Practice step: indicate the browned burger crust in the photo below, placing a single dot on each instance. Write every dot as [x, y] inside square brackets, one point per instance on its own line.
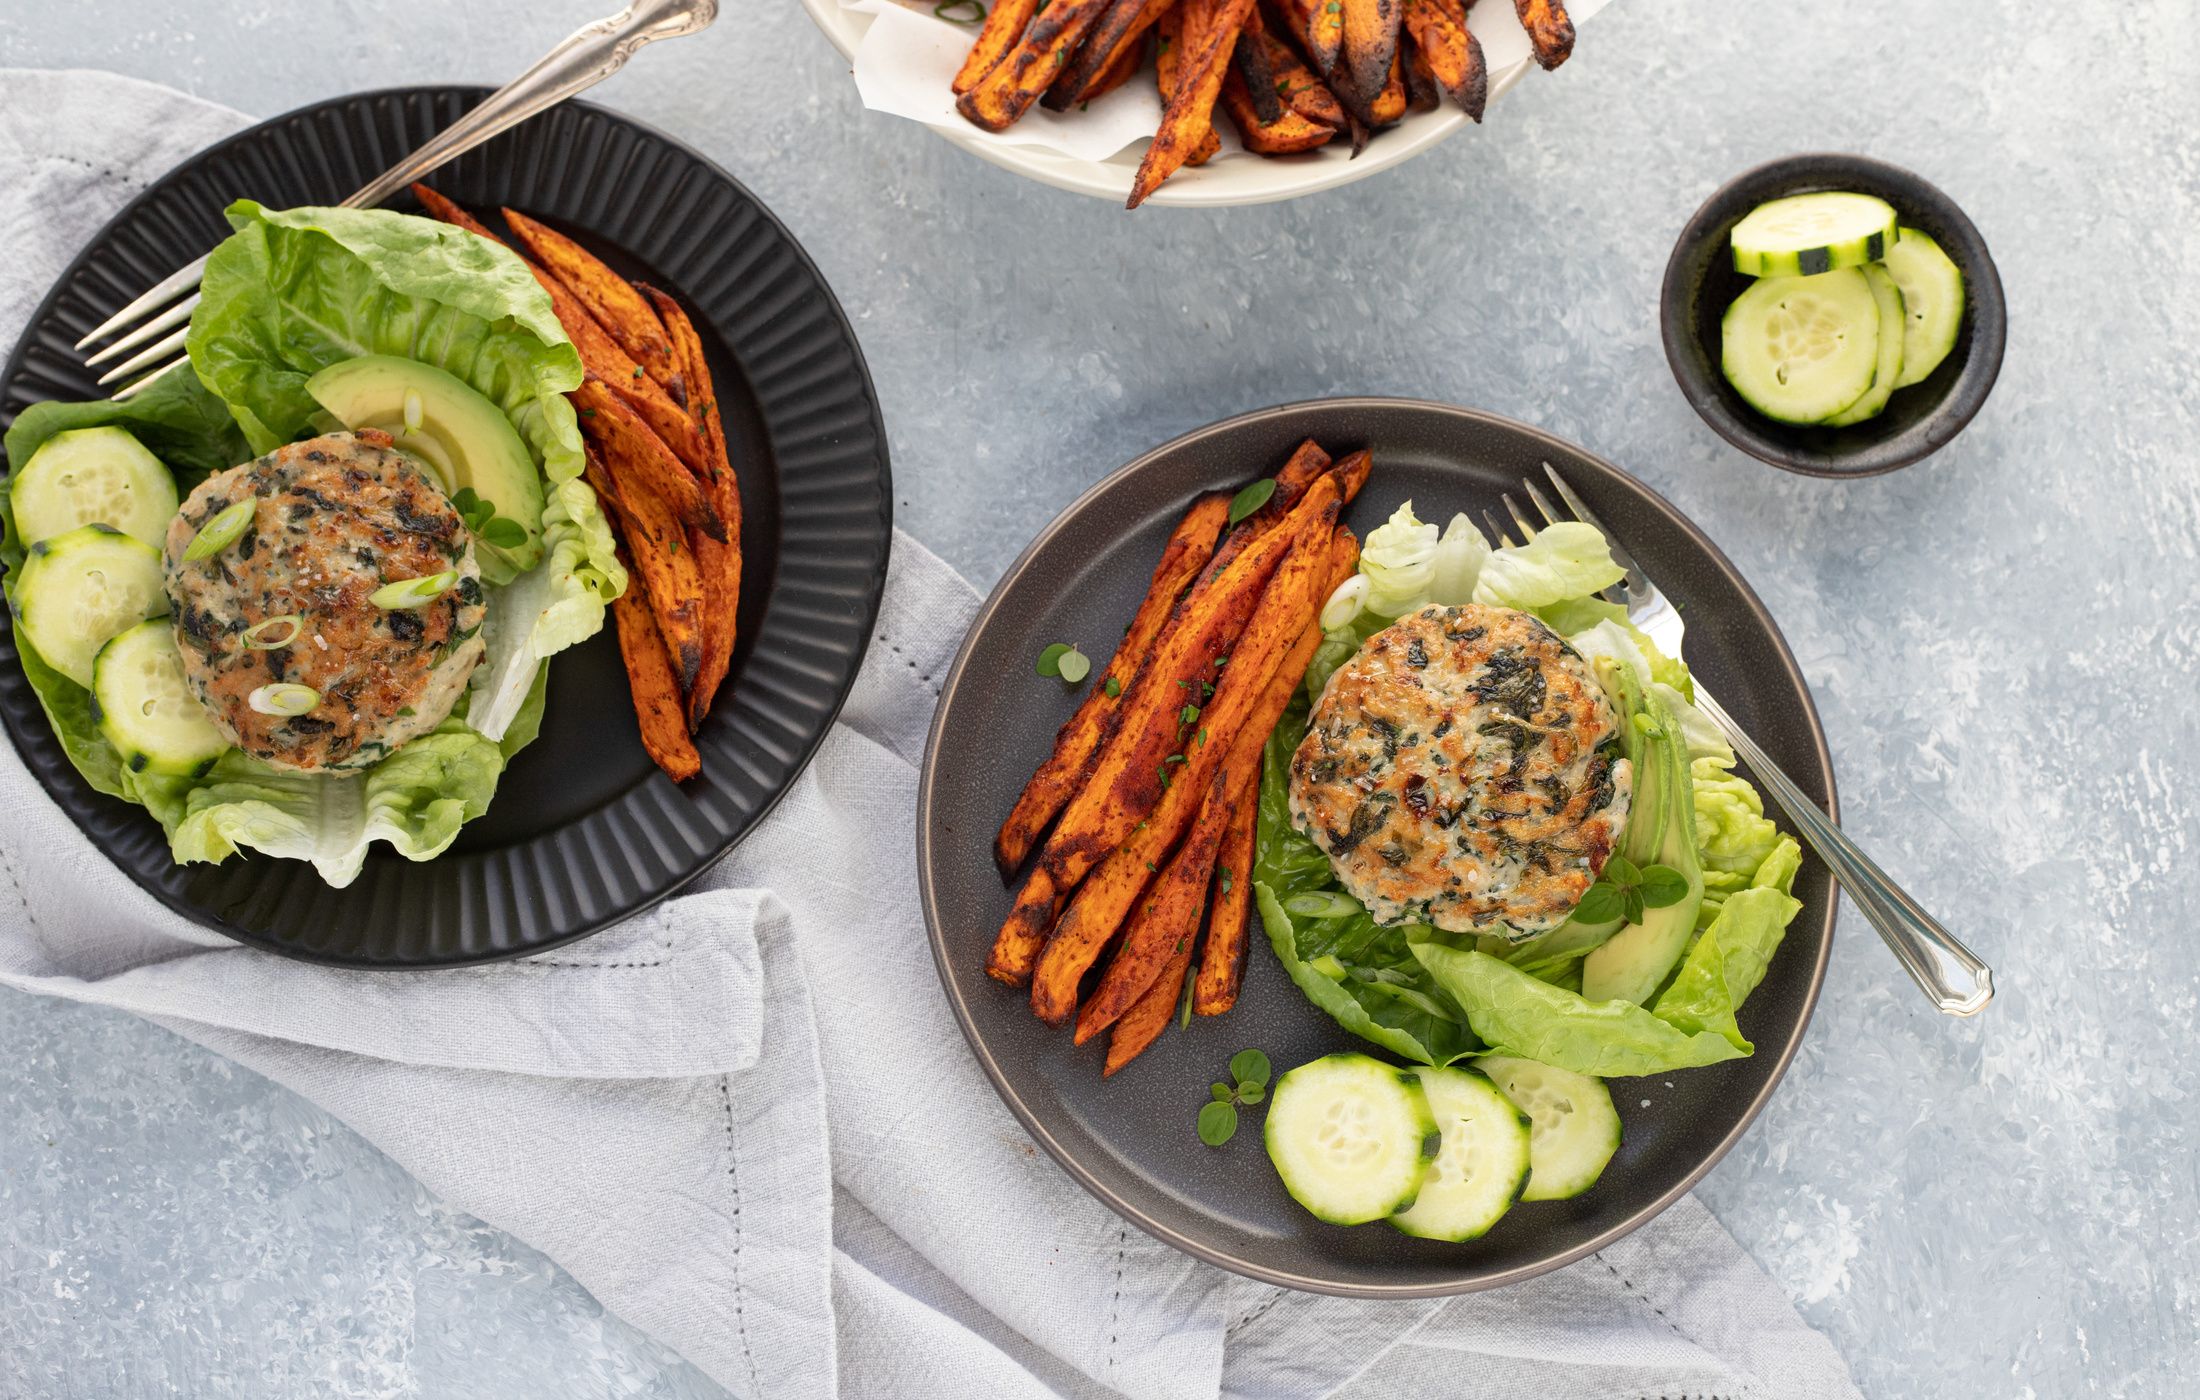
[1462, 770]
[335, 518]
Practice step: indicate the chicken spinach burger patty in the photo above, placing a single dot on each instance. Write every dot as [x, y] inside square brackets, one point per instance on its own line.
[1463, 770]
[282, 633]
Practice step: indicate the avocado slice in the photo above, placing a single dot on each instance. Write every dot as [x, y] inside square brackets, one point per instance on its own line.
[1661, 830]
[454, 432]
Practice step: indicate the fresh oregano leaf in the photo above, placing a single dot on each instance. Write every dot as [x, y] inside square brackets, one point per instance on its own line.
[1662, 885]
[1252, 498]
[1217, 1123]
[1050, 660]
[1250, 1068]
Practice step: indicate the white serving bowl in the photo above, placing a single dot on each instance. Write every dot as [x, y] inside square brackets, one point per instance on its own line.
[1219, 183]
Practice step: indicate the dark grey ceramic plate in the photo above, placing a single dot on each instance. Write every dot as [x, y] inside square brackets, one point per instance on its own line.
[1130, 1139]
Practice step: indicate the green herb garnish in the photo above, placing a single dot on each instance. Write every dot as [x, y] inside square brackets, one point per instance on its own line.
[1252, 498]
[1065, 662]
[1627, 892]
[1218, 1118]
[1114, 687]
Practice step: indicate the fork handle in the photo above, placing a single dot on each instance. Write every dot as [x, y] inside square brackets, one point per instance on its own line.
[1956, 979]
[584, 58]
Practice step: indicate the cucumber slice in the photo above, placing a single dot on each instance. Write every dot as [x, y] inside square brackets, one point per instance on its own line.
[1932, 298]
[82, 587]
[1801, 349]
[1482, 1164]
[147, 710]
[1887, 371]
[93, 475]
[1806, 234]
[1350, 1137]
[1576, 1129]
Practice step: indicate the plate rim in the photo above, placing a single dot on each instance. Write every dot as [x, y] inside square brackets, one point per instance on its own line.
[874, 586]
[1090, 1180]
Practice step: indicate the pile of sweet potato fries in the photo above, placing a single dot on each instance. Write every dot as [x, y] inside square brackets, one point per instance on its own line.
[1153, 783]
[1291, 74]
[657, 459]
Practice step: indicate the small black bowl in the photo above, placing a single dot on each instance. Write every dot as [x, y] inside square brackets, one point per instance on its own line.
[1700, 283]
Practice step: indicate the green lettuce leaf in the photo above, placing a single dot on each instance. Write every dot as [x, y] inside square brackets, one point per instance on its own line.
[1566, 560]
[1732, 832]
[1728, 959]
[1399, 560]
[1519, 1015]
[294, 291]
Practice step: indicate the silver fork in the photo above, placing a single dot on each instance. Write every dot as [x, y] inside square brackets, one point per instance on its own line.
[584, 58]
[1954, 977]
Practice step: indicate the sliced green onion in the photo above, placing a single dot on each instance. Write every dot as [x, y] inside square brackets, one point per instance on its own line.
[1346, 603]
[257, 638]
[959, 11]
[1322, 904]
[222, 531]
[412, 410]
[413, 592]
[284, 698]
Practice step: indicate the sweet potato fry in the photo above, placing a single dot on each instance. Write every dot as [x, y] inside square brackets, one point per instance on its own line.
[1307, 461]
[621, 310]
[1319, 27]
[1167, 921]
[666, 569]
[1452, 53]
[719, 560]
[1178, 29]
[997, 100]
[1078, 741]
[656, 691]
[1287, 134]
[639, 460]
[1255, 71]
[1550, 29]
[1229, 905]
[1112, 37]
[1370, 49]
[1190, 112]
[1142, 1025]
[600, 354]
[1217, 728]
[1222, 956]
[1129, 776]
[1004, 25]
[1421, 91]
[1130, 52]
[1389, 106]
[1301, 88]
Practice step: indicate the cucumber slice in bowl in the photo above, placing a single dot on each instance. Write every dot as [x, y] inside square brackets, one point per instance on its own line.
[80, 588]
[147, 709]
[93, 476]
[1893, 333]
[1801, 349]
[1575, 1128]
[1806, 234]
[1350, 1137]
[1481, 1165]
[1932, 298]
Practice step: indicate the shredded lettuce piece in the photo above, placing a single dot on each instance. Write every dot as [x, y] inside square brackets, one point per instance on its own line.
[1399, 560]
[1566, 560]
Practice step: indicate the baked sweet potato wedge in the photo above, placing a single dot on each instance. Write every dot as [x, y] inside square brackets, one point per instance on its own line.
[1077, 743]
[1550, 30]
[655, 689]
[1130, 774]
[1301, 88]
[1166, 923]
[638, 458]
[1288, 134]
[600, 354]
[1389, 106]
[1449, 49]
[1172, 31]
[1138, 1028]
[1421, 91]
[718, 560]
[662, 564]
[1111, 41]
[611, 299]
[1189, 116]
[1210, 731]
[1369, 51]
[997, 100]
[1004, 25]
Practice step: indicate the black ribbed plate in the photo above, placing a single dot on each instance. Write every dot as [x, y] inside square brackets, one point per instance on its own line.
[1130, 1138]
[584, 830]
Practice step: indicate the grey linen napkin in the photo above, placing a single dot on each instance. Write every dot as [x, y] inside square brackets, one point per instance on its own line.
[742, 1120]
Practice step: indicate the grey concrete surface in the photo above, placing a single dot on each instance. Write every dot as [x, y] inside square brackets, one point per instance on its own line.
[2003, 641]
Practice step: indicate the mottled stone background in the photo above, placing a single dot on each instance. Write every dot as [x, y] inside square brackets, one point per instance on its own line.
[2003, 642]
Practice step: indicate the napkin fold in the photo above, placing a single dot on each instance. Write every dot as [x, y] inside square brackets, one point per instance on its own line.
[742, 1120]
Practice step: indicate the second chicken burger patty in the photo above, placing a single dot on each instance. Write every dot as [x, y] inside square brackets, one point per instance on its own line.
[290, 602]
[1462, 770]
